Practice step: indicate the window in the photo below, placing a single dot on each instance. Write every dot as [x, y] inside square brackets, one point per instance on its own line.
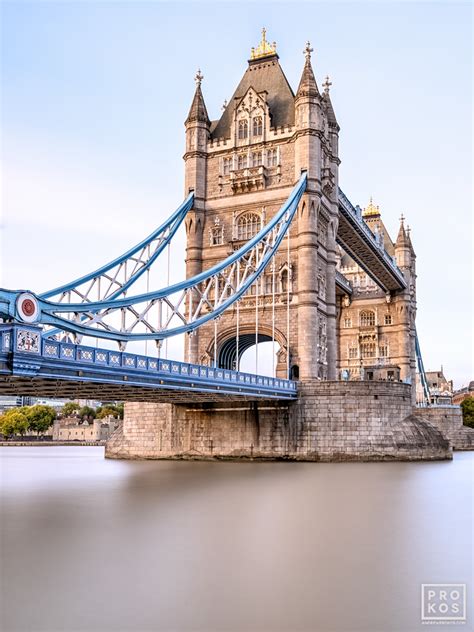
[388, 319]
[352, 353]
[226, 166]
[347, 323]
[216, 236]
[248, 225]
[269, 284]
[367, 350]
[257, 126]
[284, 281]
[367, 319]
[242, 161]
[243, 129]
[256, 159]
[383, 351]
[272, 157]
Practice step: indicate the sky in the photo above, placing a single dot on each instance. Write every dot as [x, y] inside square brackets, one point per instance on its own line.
[93, 101]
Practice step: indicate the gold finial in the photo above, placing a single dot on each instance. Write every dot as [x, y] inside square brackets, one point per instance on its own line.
[264, 49]
[199, 77]
[326, 85]
[307, 51]
[371, 210]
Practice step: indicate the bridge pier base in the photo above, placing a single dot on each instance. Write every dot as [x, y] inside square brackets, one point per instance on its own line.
[330, 421]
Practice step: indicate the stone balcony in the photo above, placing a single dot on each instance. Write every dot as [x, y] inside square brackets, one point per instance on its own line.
[248, 179]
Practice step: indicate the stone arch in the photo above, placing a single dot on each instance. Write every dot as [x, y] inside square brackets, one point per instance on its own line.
[227, 343]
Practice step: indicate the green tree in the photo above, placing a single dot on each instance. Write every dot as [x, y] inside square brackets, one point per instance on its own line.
[69, 409]
[112, 410]
[40, 417]
[467, 407]
[13, 422]
[86, 413]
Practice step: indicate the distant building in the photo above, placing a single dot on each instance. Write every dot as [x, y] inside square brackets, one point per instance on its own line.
[463, 393]
[441, 389]
[14, 401]
[73, 429]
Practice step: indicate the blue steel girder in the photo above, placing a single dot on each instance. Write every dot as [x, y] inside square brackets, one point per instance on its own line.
[174, 310]
[37, 366]
[360, 243]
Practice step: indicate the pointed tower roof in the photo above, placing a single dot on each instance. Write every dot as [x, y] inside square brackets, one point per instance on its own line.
[327, 101]
[308, 86]
[198, 111]
[264, 74]
[408, 234]
[402, 239]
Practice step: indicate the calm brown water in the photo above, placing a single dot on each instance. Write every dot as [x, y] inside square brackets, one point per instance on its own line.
[97, 545]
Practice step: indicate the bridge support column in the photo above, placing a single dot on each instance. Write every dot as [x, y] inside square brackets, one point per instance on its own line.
[330, 421]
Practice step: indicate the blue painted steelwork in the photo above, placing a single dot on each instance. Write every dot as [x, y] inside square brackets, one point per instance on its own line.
[354, 216]
[25, 354]
[421, 369]
[170, 226]
[254, 256]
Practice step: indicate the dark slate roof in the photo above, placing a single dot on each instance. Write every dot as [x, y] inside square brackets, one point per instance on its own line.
[262, 75]
[198, 111]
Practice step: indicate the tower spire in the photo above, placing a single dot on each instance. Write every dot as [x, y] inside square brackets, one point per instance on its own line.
[198, 111]
[264, 49]
[308, 86]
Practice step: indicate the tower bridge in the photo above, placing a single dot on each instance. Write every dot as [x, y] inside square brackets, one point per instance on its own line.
[275, 253]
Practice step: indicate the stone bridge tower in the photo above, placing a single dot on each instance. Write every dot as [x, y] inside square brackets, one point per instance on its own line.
[242, 168]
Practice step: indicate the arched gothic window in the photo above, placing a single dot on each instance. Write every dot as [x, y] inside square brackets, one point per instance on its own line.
[248, 226]
[367, 319]
[257, 126]
[243, 129]
[242, 161]
[272, 157]
[256, 159]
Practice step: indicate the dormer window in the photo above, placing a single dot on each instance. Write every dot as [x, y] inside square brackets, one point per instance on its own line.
[257, 126]
[243, 129]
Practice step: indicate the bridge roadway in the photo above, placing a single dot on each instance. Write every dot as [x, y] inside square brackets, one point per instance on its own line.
[38, 367]
[360, 243]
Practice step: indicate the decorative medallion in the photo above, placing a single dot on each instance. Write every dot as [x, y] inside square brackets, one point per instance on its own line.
[27, 307]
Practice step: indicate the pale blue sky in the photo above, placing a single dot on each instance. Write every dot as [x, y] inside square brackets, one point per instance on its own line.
[94, 96]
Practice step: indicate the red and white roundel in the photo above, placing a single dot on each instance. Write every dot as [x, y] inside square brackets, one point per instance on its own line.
[27, 307]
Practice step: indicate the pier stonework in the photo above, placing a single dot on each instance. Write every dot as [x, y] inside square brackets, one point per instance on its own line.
[331, 421]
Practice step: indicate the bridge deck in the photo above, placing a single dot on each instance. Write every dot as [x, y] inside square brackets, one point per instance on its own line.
[31, 365]
[359, 242]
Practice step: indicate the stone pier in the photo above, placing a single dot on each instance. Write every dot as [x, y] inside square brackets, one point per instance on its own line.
[330, 421]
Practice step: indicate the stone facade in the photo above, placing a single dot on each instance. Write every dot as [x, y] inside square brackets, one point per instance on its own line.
[331, 421]
[72, 429]
[242, 168]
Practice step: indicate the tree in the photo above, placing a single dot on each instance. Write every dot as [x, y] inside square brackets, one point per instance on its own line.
[13, 422]
[112, 410]
[40, 417]
[69, 409]
[467, 407]
[86, 413]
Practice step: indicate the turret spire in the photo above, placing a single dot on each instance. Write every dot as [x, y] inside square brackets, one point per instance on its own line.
[198, 111]
[308, 86]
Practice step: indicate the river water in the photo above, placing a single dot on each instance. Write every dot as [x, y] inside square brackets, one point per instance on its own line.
[95, 545]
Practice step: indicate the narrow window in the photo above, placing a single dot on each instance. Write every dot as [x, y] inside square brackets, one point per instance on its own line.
[388, 319]
[272, 157]
[243, 129]
[257, 126]
[242, 161]
[226, 166]
[256, 159]
[347, 323]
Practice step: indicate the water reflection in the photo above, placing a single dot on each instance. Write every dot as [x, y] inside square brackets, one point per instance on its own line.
[92, 544]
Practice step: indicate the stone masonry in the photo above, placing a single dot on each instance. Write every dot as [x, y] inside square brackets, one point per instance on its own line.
[331, 421]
